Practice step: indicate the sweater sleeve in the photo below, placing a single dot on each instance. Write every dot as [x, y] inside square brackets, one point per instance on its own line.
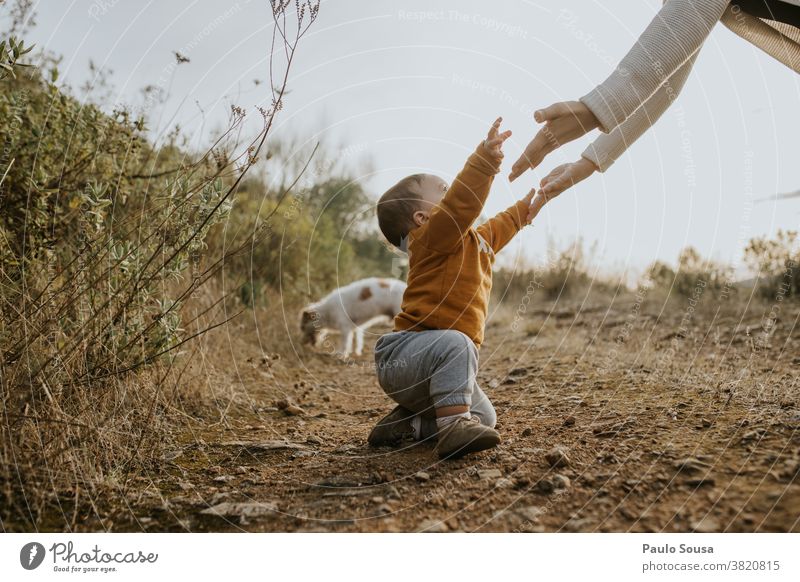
[768, 38]
[501, 228]
[673, 36]
[608, 147]
[462, 203]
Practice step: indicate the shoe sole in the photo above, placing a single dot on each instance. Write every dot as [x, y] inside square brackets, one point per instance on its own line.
[478, 444]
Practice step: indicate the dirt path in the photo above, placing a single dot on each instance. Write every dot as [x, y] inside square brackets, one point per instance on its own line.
[660, 431]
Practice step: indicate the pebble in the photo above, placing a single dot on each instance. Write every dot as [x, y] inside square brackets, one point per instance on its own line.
[244, 511]
[289, 407]
[392, 492]
[531, 513]
[706, 525]
[489, 474]
[569, 421]
[557, 457]
[561, 482]
[691, 465]
[422, 476]
[503, 483]
[527, 432]
[432, 526]
[545, 486]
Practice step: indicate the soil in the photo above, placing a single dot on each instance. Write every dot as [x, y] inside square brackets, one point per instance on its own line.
[612, 419]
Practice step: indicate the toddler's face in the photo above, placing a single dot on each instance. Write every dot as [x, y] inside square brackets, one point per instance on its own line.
[431, 190]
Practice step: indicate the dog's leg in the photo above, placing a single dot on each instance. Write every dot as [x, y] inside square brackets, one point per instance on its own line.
[359, 341]
[347, 342]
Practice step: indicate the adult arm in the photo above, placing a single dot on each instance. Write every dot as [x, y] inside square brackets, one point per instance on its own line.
[607, 148]
[673, 36]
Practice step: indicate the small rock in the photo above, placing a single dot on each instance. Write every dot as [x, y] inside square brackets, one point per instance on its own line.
[378, 499]
[527, 432]
[545, 486]
[608, 459]
[521, 482]
[557, 457]
[432, 526]
[691, 465]
[530, 513]
[218, 498]
[384, 508]
[314, 440]
[701, 482]
[392, 492]
[289, 407]
[265, 445]
[422, 476]
[578, 525]
[489, 474]
[561, 482]
[503, 483]
[244, 511]
[519, 372]
[569, 421]
[293, 410]
[706, 525]
[705, 423]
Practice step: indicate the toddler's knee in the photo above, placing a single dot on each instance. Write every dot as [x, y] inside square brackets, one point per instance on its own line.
[456, 344]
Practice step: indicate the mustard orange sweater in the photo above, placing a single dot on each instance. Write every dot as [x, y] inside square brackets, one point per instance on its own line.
[450, 262]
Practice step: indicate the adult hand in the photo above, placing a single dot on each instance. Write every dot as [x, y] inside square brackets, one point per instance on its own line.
[565, 176]
[535, 205]
[563, 122]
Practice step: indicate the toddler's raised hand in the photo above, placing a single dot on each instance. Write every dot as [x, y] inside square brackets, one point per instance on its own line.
[494, 141]
[535, 202]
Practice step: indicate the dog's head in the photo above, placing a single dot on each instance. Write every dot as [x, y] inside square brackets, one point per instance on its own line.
[309, 325]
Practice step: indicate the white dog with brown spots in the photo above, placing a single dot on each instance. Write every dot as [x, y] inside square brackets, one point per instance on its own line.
[350, 310]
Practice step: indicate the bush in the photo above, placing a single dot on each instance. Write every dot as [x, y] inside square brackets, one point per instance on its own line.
[776, 263]
[105, 238]
[693, 273]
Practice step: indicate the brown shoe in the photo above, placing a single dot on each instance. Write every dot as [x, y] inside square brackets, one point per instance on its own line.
[393, 428]
[465, 435]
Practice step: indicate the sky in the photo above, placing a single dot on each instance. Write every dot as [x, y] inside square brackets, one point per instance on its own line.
[412, 86]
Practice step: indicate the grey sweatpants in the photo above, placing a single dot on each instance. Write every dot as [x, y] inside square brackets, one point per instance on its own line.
[425, 370]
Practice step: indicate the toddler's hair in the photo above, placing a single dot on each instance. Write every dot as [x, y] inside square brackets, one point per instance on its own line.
[396, 209]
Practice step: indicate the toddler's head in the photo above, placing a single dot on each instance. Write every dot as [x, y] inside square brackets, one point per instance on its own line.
[408, 204]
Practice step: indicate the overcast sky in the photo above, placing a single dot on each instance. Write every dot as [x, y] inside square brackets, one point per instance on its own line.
[413, 85]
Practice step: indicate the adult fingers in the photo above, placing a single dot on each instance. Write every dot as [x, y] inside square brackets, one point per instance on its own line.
[552, 112]
[557, 186]
[537, 149]
[554, 173]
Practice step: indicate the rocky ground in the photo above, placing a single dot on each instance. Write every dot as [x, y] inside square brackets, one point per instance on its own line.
[613, 418]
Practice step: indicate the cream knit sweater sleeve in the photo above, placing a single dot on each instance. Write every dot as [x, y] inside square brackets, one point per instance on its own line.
[673, 36]
[605, 150]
